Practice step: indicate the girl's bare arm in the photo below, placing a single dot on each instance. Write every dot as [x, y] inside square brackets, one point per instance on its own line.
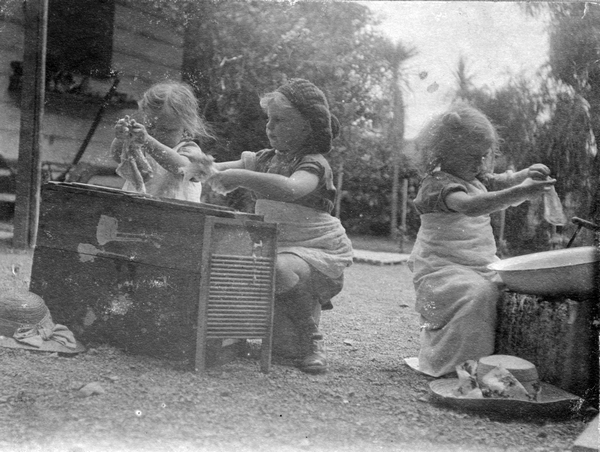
[536, 171]
[233, 164]
[165, 156]
[272, 186]
[486, 203]
[116, 149]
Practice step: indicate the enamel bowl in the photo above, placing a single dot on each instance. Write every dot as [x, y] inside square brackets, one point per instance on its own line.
[570, 271]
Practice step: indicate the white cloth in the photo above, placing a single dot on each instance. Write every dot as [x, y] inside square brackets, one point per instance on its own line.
[456, 292]
[315, 236]
[165, 184]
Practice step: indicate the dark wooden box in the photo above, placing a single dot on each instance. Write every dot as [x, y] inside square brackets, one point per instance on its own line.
[557, 334]
[153, 276]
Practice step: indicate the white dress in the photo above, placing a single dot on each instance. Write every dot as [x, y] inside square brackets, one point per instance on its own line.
[456, 292]
[165, 184]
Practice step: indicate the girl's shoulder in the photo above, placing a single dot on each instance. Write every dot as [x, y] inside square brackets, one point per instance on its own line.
[315, 158]
[440, 180]
[263, 156]
[266, 152]
[185, 144]
[294, 160]
[433, 190]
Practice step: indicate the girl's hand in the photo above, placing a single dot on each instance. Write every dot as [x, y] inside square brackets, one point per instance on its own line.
[138, 133]
[535, 187]
[195, 155]
[223, 182]
[201, 166]
[122, 128]
[538, 171]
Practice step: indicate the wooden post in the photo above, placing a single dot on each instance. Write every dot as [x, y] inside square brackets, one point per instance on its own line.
[32, 110]
[340, 182]
[403, 213]
[394, 201]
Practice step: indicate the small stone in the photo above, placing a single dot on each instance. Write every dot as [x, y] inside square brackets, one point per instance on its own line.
[91, 389]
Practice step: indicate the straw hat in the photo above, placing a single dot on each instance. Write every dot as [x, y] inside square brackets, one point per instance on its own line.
[550, 400]
[25, 322]
[524, 371]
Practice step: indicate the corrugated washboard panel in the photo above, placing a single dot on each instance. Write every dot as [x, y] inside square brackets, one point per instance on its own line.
[240, 296]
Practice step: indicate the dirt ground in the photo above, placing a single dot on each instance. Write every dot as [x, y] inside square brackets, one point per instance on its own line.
[368, 401]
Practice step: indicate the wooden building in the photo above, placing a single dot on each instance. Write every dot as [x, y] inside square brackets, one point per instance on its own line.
[90, 44]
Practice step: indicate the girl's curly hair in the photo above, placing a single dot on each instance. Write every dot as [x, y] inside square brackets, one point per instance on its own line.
[461, 128]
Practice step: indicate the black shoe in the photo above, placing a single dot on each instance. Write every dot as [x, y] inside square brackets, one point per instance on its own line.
[316, 361]
[328, 305]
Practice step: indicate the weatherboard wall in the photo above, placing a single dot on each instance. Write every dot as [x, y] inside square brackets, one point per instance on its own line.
[145, 50]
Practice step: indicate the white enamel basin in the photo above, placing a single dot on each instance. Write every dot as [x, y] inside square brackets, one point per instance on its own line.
[570, 271]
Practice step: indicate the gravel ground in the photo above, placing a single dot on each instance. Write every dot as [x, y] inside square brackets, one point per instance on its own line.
[369, 401]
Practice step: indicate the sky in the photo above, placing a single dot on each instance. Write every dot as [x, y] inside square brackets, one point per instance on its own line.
[496, 39]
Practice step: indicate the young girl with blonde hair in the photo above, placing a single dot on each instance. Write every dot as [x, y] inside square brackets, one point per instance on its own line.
[456, 294]
[151, 153]
[293, 183]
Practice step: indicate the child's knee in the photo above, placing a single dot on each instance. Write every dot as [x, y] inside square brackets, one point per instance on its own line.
[285, 281]
[290, 271]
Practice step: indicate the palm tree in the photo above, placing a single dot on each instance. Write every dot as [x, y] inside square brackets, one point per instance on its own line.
[464, 80]
[397, 54]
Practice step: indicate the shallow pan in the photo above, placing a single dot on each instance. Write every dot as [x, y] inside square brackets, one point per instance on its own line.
[571, 271]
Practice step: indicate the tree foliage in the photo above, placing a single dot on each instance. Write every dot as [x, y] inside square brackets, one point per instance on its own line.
[569, 138]
[550, 119]
[235, 51]
[256, 46]
[514, 109]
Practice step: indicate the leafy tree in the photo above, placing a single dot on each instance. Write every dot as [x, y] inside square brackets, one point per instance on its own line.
[237, 50]
[248, 48]
[365, 200]
[518, 110]
[515, 109]
[466, 89]
[574, 61]
[256, 46]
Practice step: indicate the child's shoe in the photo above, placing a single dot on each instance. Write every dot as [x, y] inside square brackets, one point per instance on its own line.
[316, 361]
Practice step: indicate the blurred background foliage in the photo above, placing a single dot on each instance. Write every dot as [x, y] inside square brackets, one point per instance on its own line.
[236, 51]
